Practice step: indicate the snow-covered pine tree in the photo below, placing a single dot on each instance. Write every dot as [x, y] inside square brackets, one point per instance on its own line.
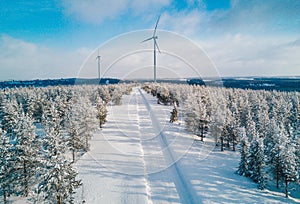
[101, 111]
[274, 146]
[252, 159]
[5, 166]
[74, 120]
[25, 153]
[196, 117]
[228, 131]
[190, 110]
[10, 111]
[251, 128]
[218, 115]
[89, 123]
[261, 167]
[256, 159]
[296, 141]
[116, 96]
[244, 151]
[174, 114]
[58, 181]
[288, 164]
[262, 118]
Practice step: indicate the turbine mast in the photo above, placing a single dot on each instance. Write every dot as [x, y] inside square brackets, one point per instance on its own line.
[155, 45]
[154, 75]
[98, 58]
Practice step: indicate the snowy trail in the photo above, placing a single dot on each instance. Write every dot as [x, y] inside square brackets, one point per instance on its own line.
[139, 157]
[184, 188]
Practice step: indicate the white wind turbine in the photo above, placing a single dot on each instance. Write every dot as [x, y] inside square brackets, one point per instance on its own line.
[154, 38]
[98, 58]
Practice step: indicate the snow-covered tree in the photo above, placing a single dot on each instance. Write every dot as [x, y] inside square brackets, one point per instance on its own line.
[104, 93]
[101, 111]
[288, 164]
[25, 153]
[260, 175]
[10, 111]
[116, 96]
[274, 149]
[258, 165]
[174, 114]
[244, 151]
[196, 117]
[90, 124]
[59, 183]
[59, 176]
[5, 166]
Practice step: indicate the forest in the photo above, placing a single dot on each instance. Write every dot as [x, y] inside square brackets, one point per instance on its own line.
[44, 130]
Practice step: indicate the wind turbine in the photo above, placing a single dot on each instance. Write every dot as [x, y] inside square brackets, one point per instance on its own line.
[98, 58]
[154, 38]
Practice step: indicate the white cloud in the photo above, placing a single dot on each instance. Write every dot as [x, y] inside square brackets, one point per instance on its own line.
[184, 22]
[96, 11]
[139, 7]
[24, 60]
[246, 55]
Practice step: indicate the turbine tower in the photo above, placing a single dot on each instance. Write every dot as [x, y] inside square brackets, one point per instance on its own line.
[98, 58]
[155, 45]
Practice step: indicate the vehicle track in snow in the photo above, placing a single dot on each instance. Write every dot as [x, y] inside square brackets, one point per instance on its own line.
[184, 188]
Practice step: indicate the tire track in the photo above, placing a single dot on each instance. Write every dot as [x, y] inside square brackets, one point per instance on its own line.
[184, 187]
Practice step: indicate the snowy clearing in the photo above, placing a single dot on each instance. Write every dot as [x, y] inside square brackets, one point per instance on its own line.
[139, 157]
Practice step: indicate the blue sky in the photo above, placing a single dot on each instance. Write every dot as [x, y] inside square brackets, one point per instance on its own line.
[52, 38]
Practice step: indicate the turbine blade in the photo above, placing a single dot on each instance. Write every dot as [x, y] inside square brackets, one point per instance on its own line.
[156, 26]
[147, 39]
[156, 44]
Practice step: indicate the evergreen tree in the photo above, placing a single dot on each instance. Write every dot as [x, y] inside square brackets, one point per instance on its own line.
[261, 174]
[256, 159]
[59, 177]
[75, 119]
[5, 166]
[26, 155]
[59, 183]
[104, 94]
[288, 165]
[89, 123]
[101, 111]
[116, 96]
[274, 152]
[174, 114]
[10, 111]
[244, 151]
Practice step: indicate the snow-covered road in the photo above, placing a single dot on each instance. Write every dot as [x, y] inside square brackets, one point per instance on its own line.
[139, 157]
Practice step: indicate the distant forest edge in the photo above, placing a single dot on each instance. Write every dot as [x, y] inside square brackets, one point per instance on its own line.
[255, 83]
[56, 82]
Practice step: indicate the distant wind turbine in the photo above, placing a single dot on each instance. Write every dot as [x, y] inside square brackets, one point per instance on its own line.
[154, 38]
[98, 58]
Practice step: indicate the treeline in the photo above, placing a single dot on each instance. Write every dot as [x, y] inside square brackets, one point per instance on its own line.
[264, 124]
[43, 131]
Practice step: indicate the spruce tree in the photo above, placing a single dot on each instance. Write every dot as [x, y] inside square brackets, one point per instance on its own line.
[244, 151]
[6, 166]
[288, 164]
[101, 111]
[26, 155]
[58, 181]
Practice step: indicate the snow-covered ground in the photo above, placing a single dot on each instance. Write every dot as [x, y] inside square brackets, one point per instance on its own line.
[139, 157]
